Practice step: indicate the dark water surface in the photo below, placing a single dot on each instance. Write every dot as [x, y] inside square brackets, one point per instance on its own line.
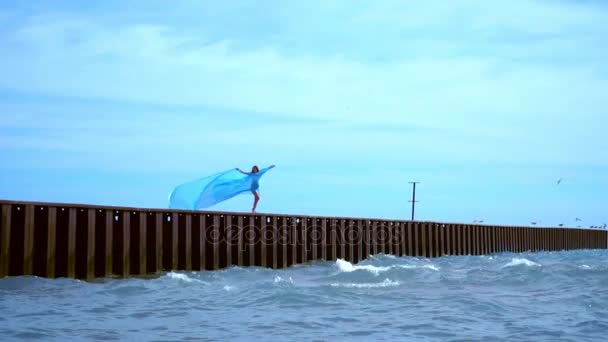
[552, 296]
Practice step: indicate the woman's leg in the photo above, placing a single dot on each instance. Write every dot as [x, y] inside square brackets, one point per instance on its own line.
[256, 198]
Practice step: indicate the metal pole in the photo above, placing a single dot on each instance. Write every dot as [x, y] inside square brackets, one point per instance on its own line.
[413, 198]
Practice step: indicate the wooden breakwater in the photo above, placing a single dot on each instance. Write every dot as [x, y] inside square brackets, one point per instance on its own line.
[85, 242]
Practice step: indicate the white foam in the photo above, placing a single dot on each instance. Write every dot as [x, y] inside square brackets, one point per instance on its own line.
[183, 277]
[278, 279]
[228, 288]
[430, 267]
[386, 283]
[584, 267]
[521, 261]
[346, 266]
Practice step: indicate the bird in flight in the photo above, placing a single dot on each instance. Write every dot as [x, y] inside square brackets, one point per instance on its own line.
[577, 219]
[558, 181]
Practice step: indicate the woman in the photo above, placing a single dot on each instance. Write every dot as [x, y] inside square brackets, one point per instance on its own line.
[255, 185]
[208, 191]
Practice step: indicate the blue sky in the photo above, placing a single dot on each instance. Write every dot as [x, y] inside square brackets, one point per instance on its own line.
[486, 103]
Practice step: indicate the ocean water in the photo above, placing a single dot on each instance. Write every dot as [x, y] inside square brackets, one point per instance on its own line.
[549, 296]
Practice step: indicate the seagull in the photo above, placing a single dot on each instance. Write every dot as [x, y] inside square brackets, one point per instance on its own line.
[561, 225]
[577, 219]
[604, 226]
[558, 181]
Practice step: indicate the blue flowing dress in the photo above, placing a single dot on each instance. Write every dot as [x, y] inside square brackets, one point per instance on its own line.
[206, 192]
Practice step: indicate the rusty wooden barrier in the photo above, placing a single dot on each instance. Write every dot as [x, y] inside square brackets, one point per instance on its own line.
[81, 241]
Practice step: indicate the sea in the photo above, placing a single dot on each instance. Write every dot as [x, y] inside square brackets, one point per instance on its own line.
[546, 296]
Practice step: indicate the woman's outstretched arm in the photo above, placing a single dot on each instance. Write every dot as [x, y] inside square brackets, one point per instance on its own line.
[243, 172]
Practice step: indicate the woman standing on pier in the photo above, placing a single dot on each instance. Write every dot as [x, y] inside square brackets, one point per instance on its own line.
[206, 192]
[255, 185]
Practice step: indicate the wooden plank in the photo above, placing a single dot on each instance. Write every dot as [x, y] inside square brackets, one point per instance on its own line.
[410, 239]
[436, 232]
[296, 243]
[91, 243]
[109, 243]
[388, 238]
[342, 235]
[324, 239]
[202, 236]
[126, 243]
[143, 243]
[188, 242]
[368, 238]
[229, 246]
[28, 241]
[216, 242]
[350, 236]
[416, 239]
[403, 240]
[445, 240]
[333, 236]
[51, 243]
[314, 238]
[252, 240]
[374, 237]
[174, 240]
[241, 246]
[158, 241]
[72, 243]
[6, 238]
[304, 240]
[423, 239]
[284, 240]
[274, 242]
[263, 242]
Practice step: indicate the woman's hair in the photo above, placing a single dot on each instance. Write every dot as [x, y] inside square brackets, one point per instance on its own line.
[255, 169]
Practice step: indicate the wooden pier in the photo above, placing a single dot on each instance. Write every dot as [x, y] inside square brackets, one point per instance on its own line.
[85, 242]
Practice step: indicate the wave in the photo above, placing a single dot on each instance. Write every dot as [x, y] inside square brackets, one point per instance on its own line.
[278, 280]
[183, 277]
[521, 261]
[386, 283]
[345, 266]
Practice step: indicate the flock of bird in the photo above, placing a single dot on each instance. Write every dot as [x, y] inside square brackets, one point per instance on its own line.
[576, 219]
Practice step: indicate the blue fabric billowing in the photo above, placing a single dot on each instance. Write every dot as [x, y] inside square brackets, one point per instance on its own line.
[205, 192]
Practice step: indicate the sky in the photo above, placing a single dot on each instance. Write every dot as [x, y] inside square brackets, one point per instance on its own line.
[486, 103]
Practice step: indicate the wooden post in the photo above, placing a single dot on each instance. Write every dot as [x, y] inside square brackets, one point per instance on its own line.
[410, 239]
[202, 240]
[109, 243]
[216, 242]
[126, 243]
[174, 240]
[263, 244]
[143, 242]
[6, 238]
[229, 232]
[72, 243]
[28, 240]
[51, 243]
[91, 244]
[333, 235]
[188, 242]
[158, 231]
[374, 237]
[304, 240]
[423, 234]
[274, 242]
[241, 246]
